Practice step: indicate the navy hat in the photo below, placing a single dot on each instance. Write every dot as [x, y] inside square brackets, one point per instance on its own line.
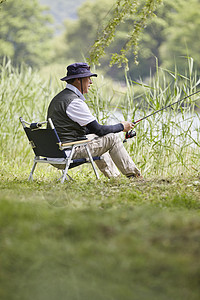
[78, 70]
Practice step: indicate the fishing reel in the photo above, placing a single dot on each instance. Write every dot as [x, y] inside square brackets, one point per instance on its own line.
[129, 134]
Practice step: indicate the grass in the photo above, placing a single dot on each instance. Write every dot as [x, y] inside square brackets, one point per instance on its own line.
[108, 239]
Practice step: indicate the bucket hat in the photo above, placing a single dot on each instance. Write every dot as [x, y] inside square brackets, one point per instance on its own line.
[78, 70]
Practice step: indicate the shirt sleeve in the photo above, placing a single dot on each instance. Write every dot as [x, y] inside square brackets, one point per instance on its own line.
[100, 130]
[79, 112]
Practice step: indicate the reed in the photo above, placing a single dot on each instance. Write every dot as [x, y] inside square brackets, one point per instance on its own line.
[23, 93]
[166, 143]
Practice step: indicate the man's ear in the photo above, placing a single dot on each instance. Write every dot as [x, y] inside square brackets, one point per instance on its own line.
[77, 82]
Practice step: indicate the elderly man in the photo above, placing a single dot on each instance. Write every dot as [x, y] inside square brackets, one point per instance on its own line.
[73, 121]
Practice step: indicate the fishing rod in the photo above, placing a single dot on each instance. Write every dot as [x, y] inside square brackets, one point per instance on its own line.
[132, 133]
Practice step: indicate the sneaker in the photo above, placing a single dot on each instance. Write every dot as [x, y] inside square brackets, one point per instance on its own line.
[135, 176]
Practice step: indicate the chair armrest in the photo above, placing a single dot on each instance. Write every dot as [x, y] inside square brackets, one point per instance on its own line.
[77, 143]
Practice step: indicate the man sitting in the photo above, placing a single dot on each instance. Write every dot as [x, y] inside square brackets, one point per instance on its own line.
[73, 121]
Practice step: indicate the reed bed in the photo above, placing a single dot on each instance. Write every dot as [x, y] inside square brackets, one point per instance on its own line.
[23, 94]
[166, 144]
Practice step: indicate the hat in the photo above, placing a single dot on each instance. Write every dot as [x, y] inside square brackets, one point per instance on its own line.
[78, 70]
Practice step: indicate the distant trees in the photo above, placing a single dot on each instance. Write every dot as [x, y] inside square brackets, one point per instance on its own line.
[102, 29]
[171, 36]
[80, 34]
[24, 33]
[102, 24]
[182, 35]
[139, 12]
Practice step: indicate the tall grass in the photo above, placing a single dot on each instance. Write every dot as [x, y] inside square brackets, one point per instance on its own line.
[23, 93]
[166, 143]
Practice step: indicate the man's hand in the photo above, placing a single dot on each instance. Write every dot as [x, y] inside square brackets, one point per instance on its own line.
[127, 125]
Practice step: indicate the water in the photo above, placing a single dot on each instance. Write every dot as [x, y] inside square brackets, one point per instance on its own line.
[185, 127]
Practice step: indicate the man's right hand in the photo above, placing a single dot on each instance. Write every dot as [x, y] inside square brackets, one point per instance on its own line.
[127, 125]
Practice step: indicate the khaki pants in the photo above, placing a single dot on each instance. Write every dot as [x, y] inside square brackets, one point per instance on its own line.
[115, 156]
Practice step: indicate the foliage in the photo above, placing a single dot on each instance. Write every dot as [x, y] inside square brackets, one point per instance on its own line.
[151, 42]
[123, 10]
[166, 36]
[25, 34]
[181, 38]
[174, 38]
[80, 34]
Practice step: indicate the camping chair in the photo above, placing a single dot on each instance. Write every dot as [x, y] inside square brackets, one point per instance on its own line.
[49, 149]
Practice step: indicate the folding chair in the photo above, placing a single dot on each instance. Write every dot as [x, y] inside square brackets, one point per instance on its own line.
[49, 149]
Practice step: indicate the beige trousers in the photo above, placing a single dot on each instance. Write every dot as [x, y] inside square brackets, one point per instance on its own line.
[115, 156]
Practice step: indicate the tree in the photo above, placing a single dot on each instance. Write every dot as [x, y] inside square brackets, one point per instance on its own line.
[151, 41]
[163, 38]
[123, 9]
[80, 35]
[25, 33]
[182, 37]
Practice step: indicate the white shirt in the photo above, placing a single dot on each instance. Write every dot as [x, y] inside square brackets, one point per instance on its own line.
[78, 110]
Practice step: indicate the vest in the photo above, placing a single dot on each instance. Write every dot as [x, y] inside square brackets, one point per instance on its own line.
[67, 129]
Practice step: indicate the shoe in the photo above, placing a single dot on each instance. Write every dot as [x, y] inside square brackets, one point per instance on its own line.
[135, 176]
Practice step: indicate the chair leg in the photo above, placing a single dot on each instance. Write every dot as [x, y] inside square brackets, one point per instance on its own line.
[70, 177]
[67, 166]
[66, 177]
[32, 171]
[92, 162]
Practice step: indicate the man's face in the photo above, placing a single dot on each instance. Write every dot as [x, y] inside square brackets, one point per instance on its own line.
[86, 82]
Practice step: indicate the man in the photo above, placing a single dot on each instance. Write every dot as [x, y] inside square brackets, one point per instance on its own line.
[73, 121]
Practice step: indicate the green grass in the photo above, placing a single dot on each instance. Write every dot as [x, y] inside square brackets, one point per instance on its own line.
[107, 239]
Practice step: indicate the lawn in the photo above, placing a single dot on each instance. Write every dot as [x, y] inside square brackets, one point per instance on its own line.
[109, 239]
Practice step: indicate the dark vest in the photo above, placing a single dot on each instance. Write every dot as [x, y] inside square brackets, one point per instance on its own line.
[68, 130]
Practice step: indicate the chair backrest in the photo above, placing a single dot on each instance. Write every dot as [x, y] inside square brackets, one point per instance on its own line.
[44, 141]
